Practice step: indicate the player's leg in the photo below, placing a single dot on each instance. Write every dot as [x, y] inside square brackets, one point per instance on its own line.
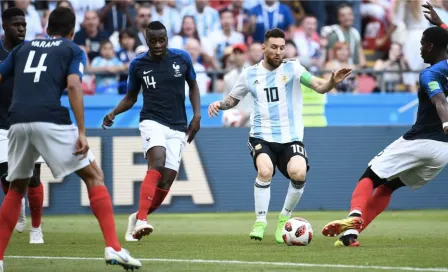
[264, 160]
[36, 200]
[294, 166]
[21, 158]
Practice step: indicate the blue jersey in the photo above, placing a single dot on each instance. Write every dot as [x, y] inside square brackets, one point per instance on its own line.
[5, 92]
[40, 69]
[433, 80]
[163, 86]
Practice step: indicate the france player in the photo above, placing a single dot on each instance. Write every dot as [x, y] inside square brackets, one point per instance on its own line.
[277, 128]
[161, 74]
[14, 25]
[42, 69]
[412, 160]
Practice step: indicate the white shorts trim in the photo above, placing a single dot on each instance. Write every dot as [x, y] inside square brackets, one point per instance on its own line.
[415, 162]
[4, 148]
[156, 134]
[56, 144]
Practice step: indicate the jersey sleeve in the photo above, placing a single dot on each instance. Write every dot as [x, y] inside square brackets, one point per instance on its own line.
[7, 66]
[191, 73]
[78, 63]
[302, 74]
[240, 90]
[134, 83]
[431, 83]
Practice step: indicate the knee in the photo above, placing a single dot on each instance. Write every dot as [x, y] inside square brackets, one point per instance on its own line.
[265, 172]
[297, 174]
[35, 179]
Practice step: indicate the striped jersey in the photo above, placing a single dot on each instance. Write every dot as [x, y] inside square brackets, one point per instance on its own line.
[278, 103]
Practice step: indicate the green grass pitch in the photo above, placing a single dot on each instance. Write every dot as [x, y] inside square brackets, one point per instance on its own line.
[396, 241]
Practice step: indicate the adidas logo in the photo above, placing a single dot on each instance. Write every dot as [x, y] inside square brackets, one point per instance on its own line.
[256, 82]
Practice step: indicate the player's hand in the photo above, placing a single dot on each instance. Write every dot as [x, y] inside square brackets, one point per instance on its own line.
[431, 15]
[340, 75]
[108, 120]
[193, 128]
[213, 109]
[82, 147]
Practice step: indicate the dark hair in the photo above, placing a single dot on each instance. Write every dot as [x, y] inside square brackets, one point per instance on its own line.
[343, 5]
[129, 32]
[61, 22]
[291, 42]
[437, 36]
[62, 2]
[274, 33]
[104, 42]
[224, 10]
[11, 12]
[156, 25]
[195, 33]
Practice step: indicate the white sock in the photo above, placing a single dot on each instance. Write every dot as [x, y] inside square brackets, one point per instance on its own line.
[350, 231]
[352, 213]
[292, 198]
[262, 195]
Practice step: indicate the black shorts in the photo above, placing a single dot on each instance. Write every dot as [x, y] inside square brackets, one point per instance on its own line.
[280, 154]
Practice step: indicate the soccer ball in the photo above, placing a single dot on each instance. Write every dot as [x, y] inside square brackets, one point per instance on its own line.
[297, 232]
[232, 118]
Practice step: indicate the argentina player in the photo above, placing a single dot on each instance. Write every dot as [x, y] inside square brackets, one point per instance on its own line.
[161, 74]
[42, 69]
[277, 128]
[415, 158]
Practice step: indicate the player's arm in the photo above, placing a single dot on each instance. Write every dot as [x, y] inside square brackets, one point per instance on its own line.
[128, 100]
[321, 85]
[432, 16]
[238, 93]
[75, 97]
[433, 87]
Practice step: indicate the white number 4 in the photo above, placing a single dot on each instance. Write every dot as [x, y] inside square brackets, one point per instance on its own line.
[38, 69]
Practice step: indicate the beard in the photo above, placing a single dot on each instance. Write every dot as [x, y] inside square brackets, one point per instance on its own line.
[273, 63]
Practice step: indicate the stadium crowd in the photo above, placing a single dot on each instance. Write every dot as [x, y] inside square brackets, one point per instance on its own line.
[377, 38]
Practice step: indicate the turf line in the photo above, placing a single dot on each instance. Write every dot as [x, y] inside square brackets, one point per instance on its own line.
[395, 268]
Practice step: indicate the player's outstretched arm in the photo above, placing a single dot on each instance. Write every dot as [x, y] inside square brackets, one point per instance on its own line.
[227, 103]
[125, 104]
[432, 16]
[195, 100]
[324, 86]
[439, 101]
[75, 96]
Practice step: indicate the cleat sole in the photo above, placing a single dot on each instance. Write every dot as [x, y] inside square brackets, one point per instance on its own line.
[141, 233]
[336, 228]
[125, 266]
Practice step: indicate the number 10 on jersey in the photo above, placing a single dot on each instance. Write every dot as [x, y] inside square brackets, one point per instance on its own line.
[271, 94]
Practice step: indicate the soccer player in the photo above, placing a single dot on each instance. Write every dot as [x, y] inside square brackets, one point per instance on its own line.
[412, 160]
[42, 69]
[277, 128]
[161, 73]
[14, 25]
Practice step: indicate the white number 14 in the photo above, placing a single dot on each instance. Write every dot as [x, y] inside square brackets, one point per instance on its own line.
[38, 69]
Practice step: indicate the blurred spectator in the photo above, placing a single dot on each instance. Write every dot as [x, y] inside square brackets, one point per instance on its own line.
[239, 116]
[167, 16]
[341, 52]
[90, 36]
[81, 7]
[206, 18]
[194, 48]
[126, 54]
[226, 37]
[409, 14]
[34, 23]
[376, 24]
[255, 54]
[250, 4]
[180, 4]
[241, 16]
[189, 30]
[143, 18]
[395, 61]
[106, 66]
[219, 4]
[441, 6]
[290, 50]
[308, 45]
[345, 32]
[115, 16]
[268, 15]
